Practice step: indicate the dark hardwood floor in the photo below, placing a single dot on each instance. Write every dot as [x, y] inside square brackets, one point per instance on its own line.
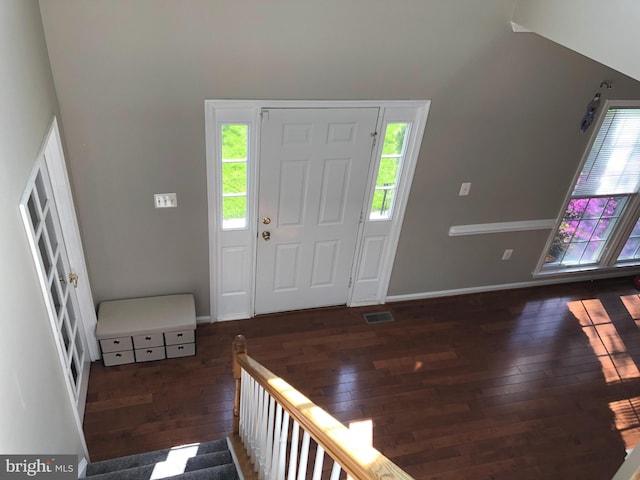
[537, 383]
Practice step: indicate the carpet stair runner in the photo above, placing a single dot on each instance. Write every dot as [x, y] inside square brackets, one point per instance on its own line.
[199, 461]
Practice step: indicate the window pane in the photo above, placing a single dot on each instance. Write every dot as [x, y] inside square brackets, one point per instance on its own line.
[235, 212]
[586, 226]
[234, 142]
[234, 175]
[394, 139]
[631, 249]
[613, 164]
[393, 150]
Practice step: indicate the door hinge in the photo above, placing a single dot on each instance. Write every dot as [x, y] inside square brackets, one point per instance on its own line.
[350, 281]
[264, 114]
[374, 135]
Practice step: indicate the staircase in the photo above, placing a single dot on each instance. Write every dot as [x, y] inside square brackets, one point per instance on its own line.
[198, 461]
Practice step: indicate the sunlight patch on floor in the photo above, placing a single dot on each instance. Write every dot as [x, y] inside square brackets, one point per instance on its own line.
[176, 461]
[627, 420]
[363, 430]
[606, 343]
[615, 361]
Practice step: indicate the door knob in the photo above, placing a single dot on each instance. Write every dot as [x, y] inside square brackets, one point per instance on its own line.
[73, 278]
[266, 235]
[266, 220]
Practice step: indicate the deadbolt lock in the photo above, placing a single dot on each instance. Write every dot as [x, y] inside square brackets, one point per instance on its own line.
[266, 220]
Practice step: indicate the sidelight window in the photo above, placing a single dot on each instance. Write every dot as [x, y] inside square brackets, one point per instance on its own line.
[389, 168]
[234, 146]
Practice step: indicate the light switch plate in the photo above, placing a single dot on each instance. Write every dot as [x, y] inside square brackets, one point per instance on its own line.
[507, 254]
[465, 188]
[165, 200]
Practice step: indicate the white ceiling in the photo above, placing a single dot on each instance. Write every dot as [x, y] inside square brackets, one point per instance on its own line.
[605, 31]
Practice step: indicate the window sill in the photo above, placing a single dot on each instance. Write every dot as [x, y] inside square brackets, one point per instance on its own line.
[614, 270]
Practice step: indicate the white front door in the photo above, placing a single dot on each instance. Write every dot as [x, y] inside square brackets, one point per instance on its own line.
[314, 165]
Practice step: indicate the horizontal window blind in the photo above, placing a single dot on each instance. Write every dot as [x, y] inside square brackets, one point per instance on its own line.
[613, 164]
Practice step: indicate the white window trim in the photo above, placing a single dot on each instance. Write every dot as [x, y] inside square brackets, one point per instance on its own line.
[615, 243]
[240, 304]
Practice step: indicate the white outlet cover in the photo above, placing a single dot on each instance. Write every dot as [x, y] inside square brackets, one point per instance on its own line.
[165, 200]
[465, 188]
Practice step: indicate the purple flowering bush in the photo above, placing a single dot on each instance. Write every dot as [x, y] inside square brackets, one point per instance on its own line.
[585, 227]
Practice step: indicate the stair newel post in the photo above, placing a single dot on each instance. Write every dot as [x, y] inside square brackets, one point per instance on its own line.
[239, 348]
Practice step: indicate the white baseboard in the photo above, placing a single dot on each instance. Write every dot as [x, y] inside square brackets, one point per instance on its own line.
[82, 468]
[364, 303]
[203, 319]
[235, 316]
[503, 286]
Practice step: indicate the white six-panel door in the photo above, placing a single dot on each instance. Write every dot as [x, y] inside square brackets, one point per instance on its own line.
[314, 165]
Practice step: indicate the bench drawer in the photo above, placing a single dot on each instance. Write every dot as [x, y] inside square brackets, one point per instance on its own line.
[115, 344]
[182, 350]
[117, 358]
[149, 354]
[148, 340]
[178, 338]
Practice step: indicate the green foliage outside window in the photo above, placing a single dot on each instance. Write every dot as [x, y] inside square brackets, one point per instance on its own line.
[392, 151]
[234, 171]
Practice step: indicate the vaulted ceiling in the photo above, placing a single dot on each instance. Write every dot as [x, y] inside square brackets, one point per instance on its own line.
[605, 31]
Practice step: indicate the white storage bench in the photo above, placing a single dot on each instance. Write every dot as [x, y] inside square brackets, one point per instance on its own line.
[145, 329]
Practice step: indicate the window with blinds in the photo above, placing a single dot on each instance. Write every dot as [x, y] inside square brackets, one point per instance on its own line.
[599, 225]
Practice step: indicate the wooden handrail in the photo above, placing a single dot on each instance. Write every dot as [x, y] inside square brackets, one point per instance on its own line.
[360, 461]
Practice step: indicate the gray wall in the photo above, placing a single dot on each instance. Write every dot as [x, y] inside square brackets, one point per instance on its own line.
[131, 77]
[36, 416]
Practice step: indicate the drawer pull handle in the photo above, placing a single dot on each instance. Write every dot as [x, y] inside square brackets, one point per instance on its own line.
[116, 342]
[118, 355]
[147, 338]
[149, 351]
[179, 335]
[180, 347]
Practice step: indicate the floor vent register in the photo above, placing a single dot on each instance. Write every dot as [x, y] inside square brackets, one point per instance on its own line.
[378, 317]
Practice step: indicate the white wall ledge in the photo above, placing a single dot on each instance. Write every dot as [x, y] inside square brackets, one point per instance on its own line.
[501, 227]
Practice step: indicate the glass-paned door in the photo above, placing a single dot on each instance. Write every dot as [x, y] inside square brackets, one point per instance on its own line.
[58, 282]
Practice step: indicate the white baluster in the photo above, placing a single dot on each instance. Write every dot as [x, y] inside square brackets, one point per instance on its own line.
[317, 468]
[304, 456]
[253, 420]
[282, 458]
[260, 434]
[268, 452]
[293, 451]
[255, 425]
[276, 443]
[335, 471]
[244, 387]
[255, 416]
[249, 416]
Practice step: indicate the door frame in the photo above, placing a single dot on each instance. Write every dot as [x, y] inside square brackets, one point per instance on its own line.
[232, 253]
[56, 163]
[51, 158]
